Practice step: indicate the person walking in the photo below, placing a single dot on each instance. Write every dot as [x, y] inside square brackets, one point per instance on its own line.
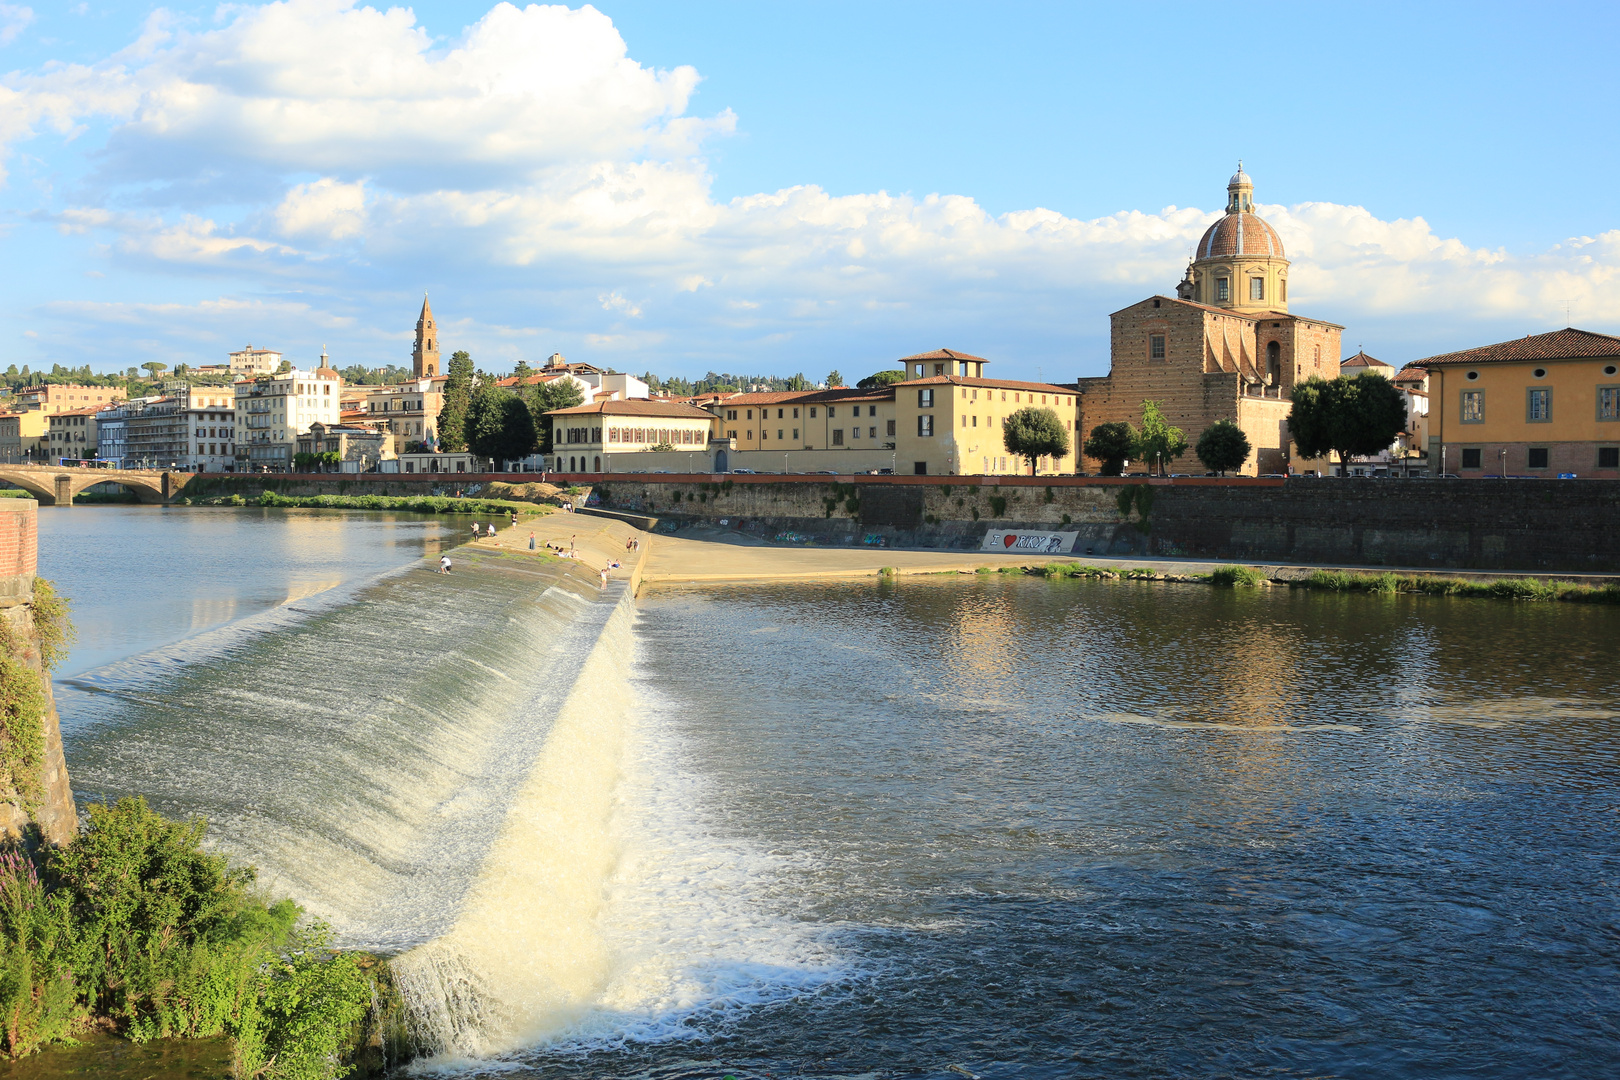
[571, 553]
[531, 541]
[514, 519]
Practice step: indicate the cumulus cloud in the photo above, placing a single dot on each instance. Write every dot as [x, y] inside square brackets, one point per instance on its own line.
[537, 165]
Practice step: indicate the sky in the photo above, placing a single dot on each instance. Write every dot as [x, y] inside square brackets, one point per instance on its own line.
[781, 188]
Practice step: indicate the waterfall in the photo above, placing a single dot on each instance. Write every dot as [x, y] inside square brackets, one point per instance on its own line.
[526, 956]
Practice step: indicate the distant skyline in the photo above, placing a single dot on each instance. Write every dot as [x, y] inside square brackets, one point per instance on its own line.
[775, 189]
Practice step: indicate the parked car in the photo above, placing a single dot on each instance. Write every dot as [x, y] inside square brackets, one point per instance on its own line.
[746, 472]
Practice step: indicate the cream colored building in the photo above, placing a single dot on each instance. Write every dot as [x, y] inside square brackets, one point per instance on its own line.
[251, 361]
[72, 434]
[271, 411]
[61, 397]
[409, 411]
[583, 434]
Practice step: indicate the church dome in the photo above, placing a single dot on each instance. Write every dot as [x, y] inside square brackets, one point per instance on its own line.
[1240, 178]
[1240, 234]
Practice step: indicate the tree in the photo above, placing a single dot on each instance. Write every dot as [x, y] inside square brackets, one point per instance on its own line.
[524, 371]
[286, 366]
[1159, 443]
[1032, 433]
[555, 394]
[880, 379]
[1223, 446]
[835, 379]
[1353, 416]
[1112, 444]
[499, 425]
[153, 367]
[452, 421]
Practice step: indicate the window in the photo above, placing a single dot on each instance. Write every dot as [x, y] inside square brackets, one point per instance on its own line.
[891, 429]
[1473, 408]
[1536, 457]
[1609, 457]
[871, 410]
[1257, 288]
[749, 434]
[855, 432]
[750, 414]
[838, 437]
[920, 468]
[1538, 405]
[832, 411]
[964, 421]
[1282, 290]
[925, 425]
[919, 371]
[1223, 289]
[1318, 357]
[778, 434]
[925, 399]
[795, 431]
[1608, 403]
[795, 416]
[871, 432]
[1155, 346]
[779, 414]
[1470, 457]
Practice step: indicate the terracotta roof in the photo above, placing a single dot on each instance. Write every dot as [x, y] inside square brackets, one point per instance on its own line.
[994, 384]
[1361, 359]
[1569, 344]
[1240, 234]
[945, 354]
[636, 407]
[1411, 373]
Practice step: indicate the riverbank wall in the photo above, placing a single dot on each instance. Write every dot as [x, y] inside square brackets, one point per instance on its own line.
[1526, 525]
[37, 767]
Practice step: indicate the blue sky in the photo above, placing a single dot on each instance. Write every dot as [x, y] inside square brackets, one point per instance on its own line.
[780, 188]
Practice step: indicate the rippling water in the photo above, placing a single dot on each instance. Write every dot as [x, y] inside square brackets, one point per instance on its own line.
[1016, 827]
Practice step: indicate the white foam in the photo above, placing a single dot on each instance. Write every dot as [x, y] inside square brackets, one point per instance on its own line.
[612, 908]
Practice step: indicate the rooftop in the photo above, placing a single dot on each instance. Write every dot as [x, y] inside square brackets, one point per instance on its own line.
[1567, 344]
[994, 384]
[637, 407]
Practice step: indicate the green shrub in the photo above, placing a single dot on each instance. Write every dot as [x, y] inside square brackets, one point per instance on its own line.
[133, 925]
[1237, 577]
[998, 505]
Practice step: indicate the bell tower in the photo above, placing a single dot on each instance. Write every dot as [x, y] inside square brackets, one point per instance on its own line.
[425, 356]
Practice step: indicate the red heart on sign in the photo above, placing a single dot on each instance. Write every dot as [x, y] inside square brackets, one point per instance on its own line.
[1009, 540]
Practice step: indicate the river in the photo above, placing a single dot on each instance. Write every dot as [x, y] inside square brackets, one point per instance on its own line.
[1002, 826]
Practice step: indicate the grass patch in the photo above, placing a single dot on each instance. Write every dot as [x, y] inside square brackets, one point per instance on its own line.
[1499, 589]
[1237, 577]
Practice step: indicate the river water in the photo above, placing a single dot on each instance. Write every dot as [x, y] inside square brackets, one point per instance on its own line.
[1005, 826]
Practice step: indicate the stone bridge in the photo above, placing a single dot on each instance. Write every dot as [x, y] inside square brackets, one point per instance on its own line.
[57, 486]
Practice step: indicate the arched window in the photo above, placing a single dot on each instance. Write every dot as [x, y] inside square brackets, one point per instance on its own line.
[1274, 361]
[596, 465]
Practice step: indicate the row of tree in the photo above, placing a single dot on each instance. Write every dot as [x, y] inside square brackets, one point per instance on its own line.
[1351, 416]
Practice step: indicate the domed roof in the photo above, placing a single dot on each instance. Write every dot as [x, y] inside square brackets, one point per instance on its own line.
[1240, 178]
[1240, 234]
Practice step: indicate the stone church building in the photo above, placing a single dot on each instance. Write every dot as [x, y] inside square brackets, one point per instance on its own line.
[1224, 347]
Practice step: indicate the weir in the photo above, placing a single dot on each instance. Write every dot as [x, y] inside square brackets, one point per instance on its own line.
[458, 773]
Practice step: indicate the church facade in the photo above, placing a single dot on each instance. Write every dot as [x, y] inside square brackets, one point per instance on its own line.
[1225, 347]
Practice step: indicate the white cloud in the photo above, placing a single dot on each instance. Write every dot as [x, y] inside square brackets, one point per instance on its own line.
[326, 208]
[14, 19]
[532, 161]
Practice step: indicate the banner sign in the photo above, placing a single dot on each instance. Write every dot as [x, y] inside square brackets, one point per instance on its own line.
[1030, 543]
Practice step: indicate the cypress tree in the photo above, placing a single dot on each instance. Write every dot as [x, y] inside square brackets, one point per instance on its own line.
[457, 402]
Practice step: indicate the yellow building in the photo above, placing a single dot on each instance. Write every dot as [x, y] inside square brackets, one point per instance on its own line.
[839, 419]
[22, 435]
[1534, 406]
[949, 422]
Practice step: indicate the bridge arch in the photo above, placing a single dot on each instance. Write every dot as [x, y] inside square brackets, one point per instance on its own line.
[56, 487]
